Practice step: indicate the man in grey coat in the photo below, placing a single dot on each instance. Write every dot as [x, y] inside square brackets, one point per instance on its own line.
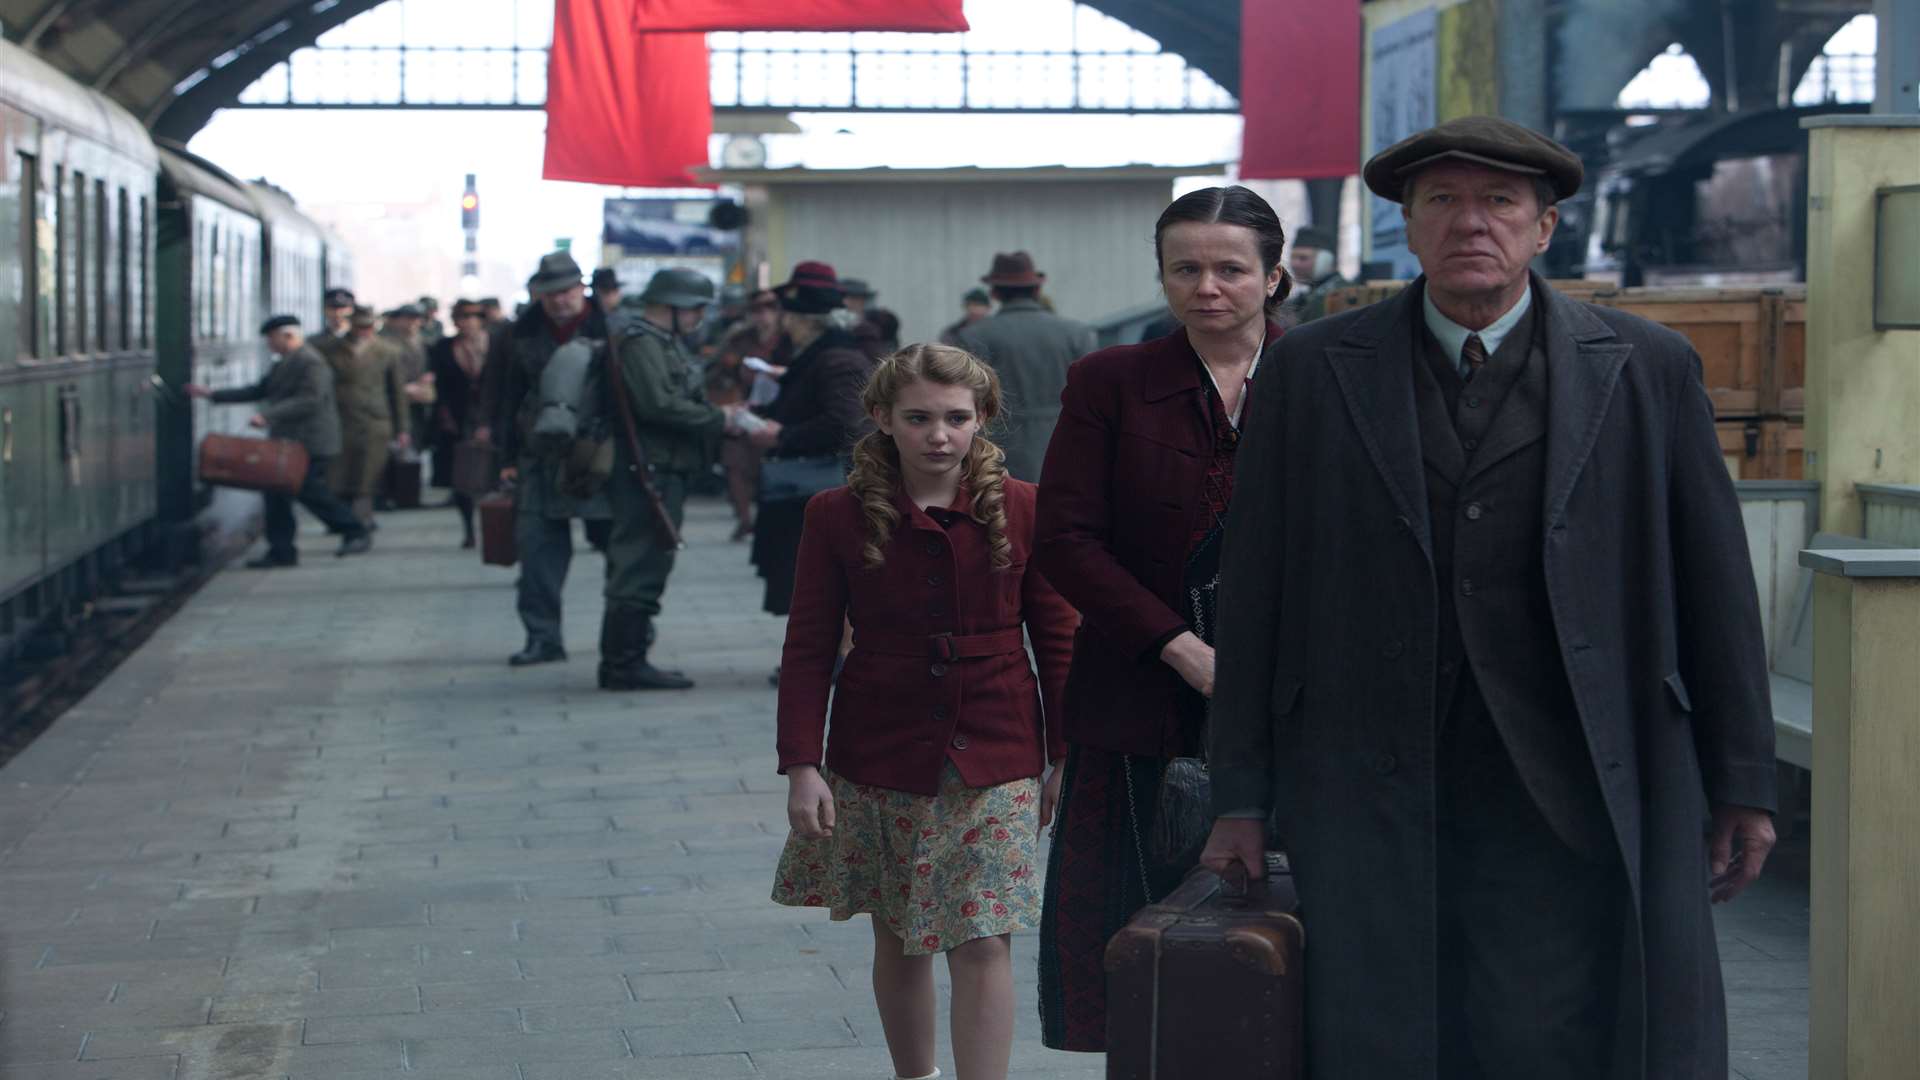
[1031, 348]
[1490, 652]
[296, 403]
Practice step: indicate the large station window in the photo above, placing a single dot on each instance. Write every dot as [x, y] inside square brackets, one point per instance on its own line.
[81, 309]
[32, 321]
[60, 338]
[142, 271]
[122, 237]
[101, 306]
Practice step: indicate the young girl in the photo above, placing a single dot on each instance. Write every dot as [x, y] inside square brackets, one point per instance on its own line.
[924, 809]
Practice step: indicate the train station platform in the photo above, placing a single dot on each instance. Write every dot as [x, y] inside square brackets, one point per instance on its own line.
[316, 829]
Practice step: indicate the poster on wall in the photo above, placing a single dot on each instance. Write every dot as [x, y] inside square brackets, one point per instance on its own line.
[1401, 69]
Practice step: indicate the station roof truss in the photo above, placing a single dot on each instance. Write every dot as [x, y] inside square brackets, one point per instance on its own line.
[174, 63]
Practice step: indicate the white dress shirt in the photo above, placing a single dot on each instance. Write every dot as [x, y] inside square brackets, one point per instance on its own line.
[1453, 337]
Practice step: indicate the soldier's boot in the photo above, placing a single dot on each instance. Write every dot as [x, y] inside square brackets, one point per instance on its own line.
[625, 667]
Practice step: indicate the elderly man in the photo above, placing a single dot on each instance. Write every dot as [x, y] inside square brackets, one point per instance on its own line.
[296, 403]
[1314, 264]
[1490, 652]
[1031, 348]
[544, 509]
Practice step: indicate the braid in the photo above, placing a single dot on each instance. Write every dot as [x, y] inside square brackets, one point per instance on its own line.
[876, 459]
[875, 473]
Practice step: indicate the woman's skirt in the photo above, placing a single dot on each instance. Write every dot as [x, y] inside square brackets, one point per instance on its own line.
[776, 550]
[937, 871]
[1098, 876]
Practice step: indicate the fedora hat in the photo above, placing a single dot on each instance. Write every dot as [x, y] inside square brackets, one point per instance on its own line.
[814, 289]
[1481, 140]
[1015, 270]
[557, 271]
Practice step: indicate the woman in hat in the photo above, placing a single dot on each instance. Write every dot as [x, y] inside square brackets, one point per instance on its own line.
[810, 427]
[1133, 510]
[458, 363]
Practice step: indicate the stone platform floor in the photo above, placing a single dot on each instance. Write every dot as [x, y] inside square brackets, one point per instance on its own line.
[316, 829]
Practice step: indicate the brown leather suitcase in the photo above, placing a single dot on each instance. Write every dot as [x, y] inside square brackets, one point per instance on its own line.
[473, 471]
[276, 465]
[403, 482]
[1207, 985]
[497, 545]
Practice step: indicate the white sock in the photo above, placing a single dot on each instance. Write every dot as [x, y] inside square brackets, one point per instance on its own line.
[934, 1075]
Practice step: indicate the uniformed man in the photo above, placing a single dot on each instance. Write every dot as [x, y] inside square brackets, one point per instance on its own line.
[431, 328]
[401, 327]
[337, 307]
[544, 511]
[296, 403]
[366, 380]
[1314, 264]
[675, 428]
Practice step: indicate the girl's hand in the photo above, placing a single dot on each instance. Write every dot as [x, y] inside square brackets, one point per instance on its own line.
[809, 803]
[1050, 792]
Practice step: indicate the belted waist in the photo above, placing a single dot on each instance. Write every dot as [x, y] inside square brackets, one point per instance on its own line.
[944, 647]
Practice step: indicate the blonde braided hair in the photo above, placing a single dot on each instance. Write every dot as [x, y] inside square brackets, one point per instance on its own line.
[876, 460]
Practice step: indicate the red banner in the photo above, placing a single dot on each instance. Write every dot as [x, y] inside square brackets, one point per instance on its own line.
[931, 16]
[1300, 89]
[624, 108]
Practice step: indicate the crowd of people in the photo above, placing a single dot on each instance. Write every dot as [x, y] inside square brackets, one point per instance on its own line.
[1447, 592]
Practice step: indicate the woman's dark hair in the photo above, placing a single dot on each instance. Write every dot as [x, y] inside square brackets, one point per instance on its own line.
[1234, 205]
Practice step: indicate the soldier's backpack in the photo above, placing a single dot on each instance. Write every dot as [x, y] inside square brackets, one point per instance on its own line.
[568, 428]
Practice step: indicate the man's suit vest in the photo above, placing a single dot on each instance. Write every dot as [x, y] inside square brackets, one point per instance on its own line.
[1501, 680]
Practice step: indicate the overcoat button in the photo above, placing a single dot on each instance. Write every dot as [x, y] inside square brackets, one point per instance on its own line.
[936, 611]
[938, 670]
[934, 579]
[1473, 403]
[1393, 650]
[1385, 764]
[1404, 523]
[1471, 445]
[1466, 587]
[939, 712]
[933, 548]
[960, 742]
[1475, 511]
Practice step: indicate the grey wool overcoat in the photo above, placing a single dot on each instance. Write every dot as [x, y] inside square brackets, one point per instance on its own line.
[1328, 628]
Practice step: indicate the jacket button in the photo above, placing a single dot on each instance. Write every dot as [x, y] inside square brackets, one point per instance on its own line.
[1466, 587]
[1393, 649]
[935, 579]
[1473, 402]
[938, 670]
[1471, 445]
[1385, 764]
[933, 548]
[936, 611]
[939, 712]
[960, 742]
[1475, 511]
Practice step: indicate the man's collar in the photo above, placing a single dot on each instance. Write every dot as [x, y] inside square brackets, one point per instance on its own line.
[1453, 337]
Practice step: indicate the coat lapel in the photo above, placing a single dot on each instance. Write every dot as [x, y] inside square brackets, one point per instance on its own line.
[1583, 367]
[1373, 365]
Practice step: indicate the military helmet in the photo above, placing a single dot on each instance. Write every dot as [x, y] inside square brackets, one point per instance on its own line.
[678, 287]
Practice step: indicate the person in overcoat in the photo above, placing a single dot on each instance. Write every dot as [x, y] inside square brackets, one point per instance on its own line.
[816, 417]
[458, 363]
[367, 384]
[1136, 496]
[1031, 348]
[1490, 649]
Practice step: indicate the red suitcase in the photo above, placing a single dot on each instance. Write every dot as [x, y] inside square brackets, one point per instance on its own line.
[1206, 985]
[277, 465]
[497, 545]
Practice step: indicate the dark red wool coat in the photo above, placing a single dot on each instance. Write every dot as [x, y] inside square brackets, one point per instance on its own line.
[1122, 493]
[907, 702]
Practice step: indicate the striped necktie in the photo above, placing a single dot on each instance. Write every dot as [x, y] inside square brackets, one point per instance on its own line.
[1474, 355]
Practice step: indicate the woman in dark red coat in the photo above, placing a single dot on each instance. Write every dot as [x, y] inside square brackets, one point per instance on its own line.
[1133, 505]
[924, 806]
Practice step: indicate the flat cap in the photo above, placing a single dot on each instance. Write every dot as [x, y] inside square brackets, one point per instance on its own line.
[276, 323]
[1482, 140]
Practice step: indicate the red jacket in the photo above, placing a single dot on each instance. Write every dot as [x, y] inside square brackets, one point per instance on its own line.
[1121, 496]
[938, 670]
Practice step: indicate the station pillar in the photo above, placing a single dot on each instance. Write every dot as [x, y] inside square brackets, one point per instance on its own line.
[1863, 391]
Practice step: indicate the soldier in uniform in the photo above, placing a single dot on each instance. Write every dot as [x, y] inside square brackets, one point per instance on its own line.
[1314, 263]
[337, 307]
[366, 380]
[544, 511]
[401, 326]
[431, 328]
[675, 427]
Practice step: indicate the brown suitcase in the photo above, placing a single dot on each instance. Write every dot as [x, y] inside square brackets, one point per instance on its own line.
[403, 482]
[1205, 984]
[473, 471]
[497, 545]
[276, 465]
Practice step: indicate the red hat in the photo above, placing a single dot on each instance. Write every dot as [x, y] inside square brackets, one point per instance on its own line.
[1015, 270]
[817, 275]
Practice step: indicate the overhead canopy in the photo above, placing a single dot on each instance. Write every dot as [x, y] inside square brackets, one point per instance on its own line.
[173, 63]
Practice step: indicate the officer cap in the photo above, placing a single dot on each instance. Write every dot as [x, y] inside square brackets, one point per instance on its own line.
[362, 315]
[557, 271]
[405, 311]
[339, 298]
[1482, 140]
[276, 323]
[1308, 236]
[976, 296]
[678, 287]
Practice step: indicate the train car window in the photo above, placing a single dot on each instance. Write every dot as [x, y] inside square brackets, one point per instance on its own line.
[145, 271]
[32, 318]
[81, 309]
[101, 230]
[59, 260]
[123, 245]
[216, 280]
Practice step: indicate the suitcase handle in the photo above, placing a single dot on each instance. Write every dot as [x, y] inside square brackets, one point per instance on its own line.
[1234, 884]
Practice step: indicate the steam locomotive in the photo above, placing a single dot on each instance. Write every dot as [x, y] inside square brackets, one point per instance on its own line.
[127, 268]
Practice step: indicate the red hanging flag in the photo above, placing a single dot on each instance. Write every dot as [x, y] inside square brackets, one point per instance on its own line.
[1299, 89]
[622, 107]
[932, 16]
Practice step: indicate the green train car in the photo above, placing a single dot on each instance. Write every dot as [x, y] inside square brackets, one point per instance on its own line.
[126, 270]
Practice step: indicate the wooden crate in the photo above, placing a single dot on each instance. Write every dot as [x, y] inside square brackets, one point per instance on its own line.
[1372, 292]
[1763, 449]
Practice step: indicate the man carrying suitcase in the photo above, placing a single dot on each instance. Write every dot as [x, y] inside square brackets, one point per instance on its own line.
[296, 403]
[1490, 650]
